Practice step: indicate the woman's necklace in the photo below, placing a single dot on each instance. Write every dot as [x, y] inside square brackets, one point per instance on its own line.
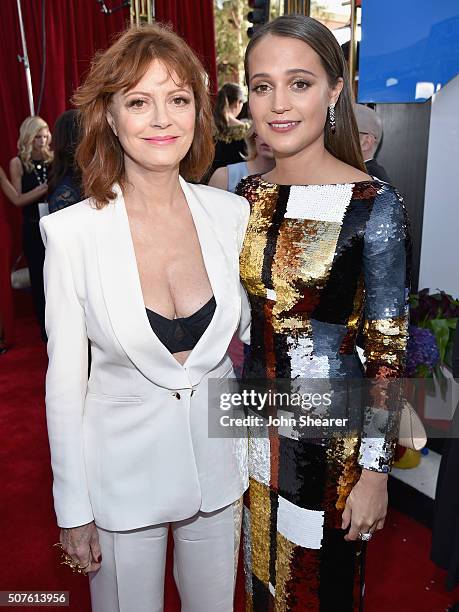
[40, 170]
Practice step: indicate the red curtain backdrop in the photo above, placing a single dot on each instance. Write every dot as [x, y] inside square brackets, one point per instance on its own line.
[75, 30]
[194, 21]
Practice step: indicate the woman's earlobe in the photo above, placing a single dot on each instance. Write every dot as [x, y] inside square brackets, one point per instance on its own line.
[337, 91]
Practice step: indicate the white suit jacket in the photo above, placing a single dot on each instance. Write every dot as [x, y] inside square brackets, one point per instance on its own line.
[127, 450]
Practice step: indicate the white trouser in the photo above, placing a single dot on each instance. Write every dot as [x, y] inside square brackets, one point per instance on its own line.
[131, 578]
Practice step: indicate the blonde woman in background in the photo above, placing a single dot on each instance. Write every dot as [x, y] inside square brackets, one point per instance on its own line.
[18, 200]
[28, 171]
[259, 160]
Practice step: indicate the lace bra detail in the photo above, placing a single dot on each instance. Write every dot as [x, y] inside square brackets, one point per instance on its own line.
[183, 333]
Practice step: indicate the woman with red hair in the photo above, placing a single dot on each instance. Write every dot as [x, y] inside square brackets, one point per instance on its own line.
[146, 271]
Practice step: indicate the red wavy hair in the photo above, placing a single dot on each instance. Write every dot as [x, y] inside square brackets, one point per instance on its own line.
[119, 68]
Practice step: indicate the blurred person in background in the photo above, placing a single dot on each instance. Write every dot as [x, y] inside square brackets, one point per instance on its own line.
[370, 133]
[259, 160]
[28, 171]
[64, 185]
[244, 115]
[230, 145]
[19, 200]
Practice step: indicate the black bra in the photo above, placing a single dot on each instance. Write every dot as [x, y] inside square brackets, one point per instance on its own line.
[182, 334]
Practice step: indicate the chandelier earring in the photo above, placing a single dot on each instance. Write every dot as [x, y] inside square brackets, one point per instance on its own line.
[332, 118]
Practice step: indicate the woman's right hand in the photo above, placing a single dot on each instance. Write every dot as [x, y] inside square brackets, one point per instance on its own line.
[82, 544]
[41, 190]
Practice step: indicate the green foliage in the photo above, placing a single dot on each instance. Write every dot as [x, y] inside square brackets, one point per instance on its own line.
[231, 39]
[438, 312]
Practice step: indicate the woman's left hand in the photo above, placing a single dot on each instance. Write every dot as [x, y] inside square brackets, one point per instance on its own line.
[366, 505]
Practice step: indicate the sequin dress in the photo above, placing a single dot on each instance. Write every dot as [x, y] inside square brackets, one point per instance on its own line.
[319, 263]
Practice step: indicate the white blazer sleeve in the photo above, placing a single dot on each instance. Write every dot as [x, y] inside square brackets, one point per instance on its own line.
[66, 380]
[245, 320]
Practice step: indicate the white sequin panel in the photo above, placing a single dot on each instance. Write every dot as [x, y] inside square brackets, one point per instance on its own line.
[299, 525]
[238, 508]
[271, 294]
[240, 455]
[303, 363]
[319, 202]
[374, 454]
[361, 354]
[259, 460]
[272, 590]
[247, 549]
[375, 451]
[286, 429]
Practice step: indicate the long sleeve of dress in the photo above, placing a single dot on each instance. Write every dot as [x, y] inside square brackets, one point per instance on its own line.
[386, 274]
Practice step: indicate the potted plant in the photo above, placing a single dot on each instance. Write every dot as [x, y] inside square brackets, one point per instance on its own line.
[437, 312]
[433, 320]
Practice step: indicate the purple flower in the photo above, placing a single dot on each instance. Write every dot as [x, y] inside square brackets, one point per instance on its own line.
[426, 306]
[422, 352]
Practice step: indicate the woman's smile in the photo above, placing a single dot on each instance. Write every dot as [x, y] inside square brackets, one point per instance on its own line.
[162, 140]
[283, 126]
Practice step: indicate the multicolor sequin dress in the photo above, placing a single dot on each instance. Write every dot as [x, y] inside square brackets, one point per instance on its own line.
[319, 263]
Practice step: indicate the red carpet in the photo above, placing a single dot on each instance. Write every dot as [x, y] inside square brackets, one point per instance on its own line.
[400, 576]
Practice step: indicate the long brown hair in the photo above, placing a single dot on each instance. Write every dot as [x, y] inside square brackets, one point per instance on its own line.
[100, 155]
[228, 94]
[66, 136]
[344, 144]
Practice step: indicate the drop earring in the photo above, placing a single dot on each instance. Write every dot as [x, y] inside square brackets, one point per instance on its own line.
[332, 118]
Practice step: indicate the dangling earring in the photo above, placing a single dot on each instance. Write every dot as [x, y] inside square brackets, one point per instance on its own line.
[332, 118]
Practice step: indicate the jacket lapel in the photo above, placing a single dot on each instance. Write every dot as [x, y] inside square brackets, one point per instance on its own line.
[213, 344]
[124, 300]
